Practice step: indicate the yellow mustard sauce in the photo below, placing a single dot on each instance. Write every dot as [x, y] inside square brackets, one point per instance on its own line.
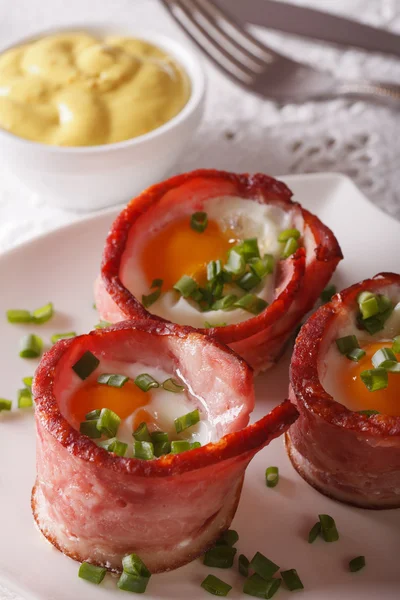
[72, 89]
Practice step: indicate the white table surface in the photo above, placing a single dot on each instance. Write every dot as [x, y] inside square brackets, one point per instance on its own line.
[239, 131]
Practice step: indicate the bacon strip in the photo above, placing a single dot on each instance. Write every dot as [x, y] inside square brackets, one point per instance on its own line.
[343, 454]
[300, 279]
[96, 506]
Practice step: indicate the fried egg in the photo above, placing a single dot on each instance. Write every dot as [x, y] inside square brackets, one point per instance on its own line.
[174, 249]
[341, 378]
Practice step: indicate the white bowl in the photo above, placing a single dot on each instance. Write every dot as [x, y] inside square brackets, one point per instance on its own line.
[92, 177]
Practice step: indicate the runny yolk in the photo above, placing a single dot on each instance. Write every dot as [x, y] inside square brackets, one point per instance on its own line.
[178, 250]
[123, 401]
[358, 397]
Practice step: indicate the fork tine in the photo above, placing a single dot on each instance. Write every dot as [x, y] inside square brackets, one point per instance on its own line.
[239, 72]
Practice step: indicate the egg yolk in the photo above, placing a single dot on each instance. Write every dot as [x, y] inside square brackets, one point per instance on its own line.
[178, 250]
[123, 401]
[358, 397]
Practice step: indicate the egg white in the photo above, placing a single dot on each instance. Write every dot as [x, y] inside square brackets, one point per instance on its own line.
[249, 219]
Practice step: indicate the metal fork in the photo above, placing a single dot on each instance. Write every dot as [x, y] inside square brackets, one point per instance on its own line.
[252, 64]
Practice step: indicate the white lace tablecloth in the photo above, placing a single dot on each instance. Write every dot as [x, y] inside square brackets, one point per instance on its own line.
[241, 132]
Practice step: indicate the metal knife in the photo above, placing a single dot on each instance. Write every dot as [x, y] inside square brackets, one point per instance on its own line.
[312, 23]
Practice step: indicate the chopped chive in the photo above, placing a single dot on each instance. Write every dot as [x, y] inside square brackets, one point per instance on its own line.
[132, 583]
[157, 283]
[243, 565]
[328, 293]
[186, 286]
[89, 428]
[215, 586]
[186, 421]
[290, 248]
[375, 309]
[114, 445]
[264, 567]
[145, 382]
[149, 299]
[220, 557]
[251, 303]
[248, 281]
[347, 343]
[199, 221]
[225, 302]
[102, 324]
[262, 266]
[108, 422]
[194, 445]
[393, 367]
[134, 565]
[375, 379]
[112, 379]
[31, 346]
[43, 314]
[158, 437]
[228, 538]
[179, 446]
[272, 476]
[24, 396]
[357, 563]
[285, 235]
[214, 268]
[161, 448]
[248, 249]
[368, 413]
[91, 573]
[292, 580]
[172, 385]
[18, 316]
[27, 381]
[383, 357]
[5, 404]
[93, 414]
[56, 337]
[314, 532]
[329, 531]
[368, 304]
[236, 263]
[259, 588]
[208, 325]
[141, 433]
[396, 344]
[85, 366]
[143, 450]
[356, 354]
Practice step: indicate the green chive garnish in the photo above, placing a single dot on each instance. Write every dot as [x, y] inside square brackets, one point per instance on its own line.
[357, 563]
[161, 448]
[290, 248]
[86, 365]
[199, 221]
[159, 436]
[186, 421]
[132, 583]
[141, 433]
[171, 385]
[43, 314]
[93, 414]
[157, 283]
[194, 445]
[5, 404]
[62, 336]
[134, 565]
[27, 381]
[145, 382]
[91, 573]
[384, 357]
[368, 413]
[31, 346]
[228, 538]
[220, 557]
[314, 532]
[252, 304]
[102, 324]
[328, 293]
[243, 565]
[272, 476]
[143, 450]
[112, 379]
[375, 379]
[393, 367]
[186, 286]
[236, 263]
[396, 344]
[179, 446]
[259, 588]
[108, 422]
[375, 309]
[262, 266]
[285, 235]
[368, 304]
[18, 316]
[292, 580]
[224, 303]
[248, 249]
[264, 567]
[248, 281]
[114, 445]
[329, 531]
[214, 268]
[347, 344]
[151, 298]
[208, 325]
[24, 396]
[216, 586]
[89, 428]
[356, 354]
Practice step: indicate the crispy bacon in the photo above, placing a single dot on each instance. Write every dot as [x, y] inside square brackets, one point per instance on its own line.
[343, 454]
[96, 506]
[299, 280]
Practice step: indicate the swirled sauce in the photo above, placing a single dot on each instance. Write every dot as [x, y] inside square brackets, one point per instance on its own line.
[72, 89]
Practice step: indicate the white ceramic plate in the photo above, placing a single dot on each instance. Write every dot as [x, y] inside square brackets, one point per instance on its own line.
[61, 267]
